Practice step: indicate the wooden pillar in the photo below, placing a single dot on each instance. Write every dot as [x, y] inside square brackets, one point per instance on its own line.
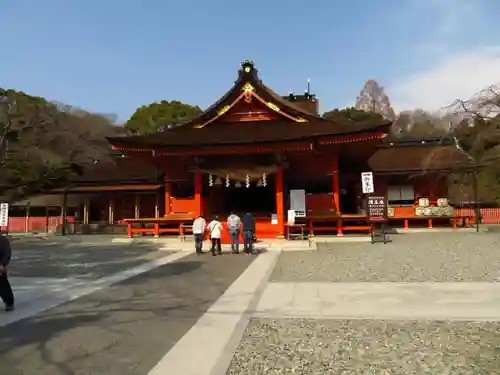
[335, 185]
[137, 206]
[27, 219]
[336, 193]
[477, 207]
[168, 198]
[63, 213]
[198, 186]
[86, 205]
[157, 205]
[280, 206]
[47, 219]
[111, 210]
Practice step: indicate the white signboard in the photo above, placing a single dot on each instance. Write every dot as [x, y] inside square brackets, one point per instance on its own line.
[274, 219]
[291, 217]
[4, 214]
[367, 182]
[298, 202]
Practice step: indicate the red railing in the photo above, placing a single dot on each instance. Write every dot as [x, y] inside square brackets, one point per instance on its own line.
[35, 224]
[40, 224]
[489, 215]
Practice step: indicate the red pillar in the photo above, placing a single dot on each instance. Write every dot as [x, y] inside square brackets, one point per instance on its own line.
[280, 207]
[198, 185]
[168, 198]
[336, 193]
[335, 185]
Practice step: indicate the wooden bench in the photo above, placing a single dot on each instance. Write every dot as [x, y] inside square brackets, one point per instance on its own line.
[338, 222]
[454, 220]
[154, 225]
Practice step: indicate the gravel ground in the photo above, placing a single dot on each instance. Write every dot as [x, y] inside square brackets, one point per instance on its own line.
[410, 258]
[354, 347]
[78, 260]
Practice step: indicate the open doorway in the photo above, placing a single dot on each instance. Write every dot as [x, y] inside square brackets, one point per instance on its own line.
[257, 199]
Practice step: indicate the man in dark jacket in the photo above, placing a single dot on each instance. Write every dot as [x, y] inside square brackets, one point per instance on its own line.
[248, 232]
[5, 290]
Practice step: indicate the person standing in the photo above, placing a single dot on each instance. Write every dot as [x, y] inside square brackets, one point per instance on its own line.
[234, 228]
[248, 232]
[215, 230]
[5, 289]
[199, 226]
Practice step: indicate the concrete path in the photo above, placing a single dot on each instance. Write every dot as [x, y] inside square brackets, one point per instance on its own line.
[208, 347]
[126, 328]
[366, 300]
[35, 294]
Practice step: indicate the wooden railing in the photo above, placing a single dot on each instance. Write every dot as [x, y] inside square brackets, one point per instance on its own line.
[489, 215]
[35, 224]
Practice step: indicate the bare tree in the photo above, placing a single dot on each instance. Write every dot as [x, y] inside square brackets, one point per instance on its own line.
[476, 129]
[485, 104]
[372, 98]
[419, 124]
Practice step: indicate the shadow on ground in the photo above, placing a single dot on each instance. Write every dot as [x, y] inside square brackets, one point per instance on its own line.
[78, 260]
[124, 329]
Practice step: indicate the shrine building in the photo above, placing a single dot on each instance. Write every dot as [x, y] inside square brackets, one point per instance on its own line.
[256, 151]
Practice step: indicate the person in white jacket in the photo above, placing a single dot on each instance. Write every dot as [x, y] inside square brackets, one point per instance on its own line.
[199, 226]
[215, 230]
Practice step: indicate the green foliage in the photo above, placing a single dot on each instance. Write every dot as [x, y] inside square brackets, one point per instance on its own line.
[481, 139]
[41, 143]
[353, 114]
[156, 116]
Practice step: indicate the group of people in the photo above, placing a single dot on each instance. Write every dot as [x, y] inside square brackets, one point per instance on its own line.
[235, 227]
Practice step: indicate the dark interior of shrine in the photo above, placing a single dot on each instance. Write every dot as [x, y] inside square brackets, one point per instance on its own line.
[256, 198]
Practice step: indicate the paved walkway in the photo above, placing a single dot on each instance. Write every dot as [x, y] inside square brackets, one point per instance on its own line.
[183, 314]
[365, 300]
[122, 324]
[36, 294]
[209, 345]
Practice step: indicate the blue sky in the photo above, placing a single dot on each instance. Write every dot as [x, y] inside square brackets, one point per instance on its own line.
[112, 56]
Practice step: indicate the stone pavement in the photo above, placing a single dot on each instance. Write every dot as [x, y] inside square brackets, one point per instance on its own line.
[122, 327]
[46, 273]
[209, 345]
[394, 301]
[424, 304]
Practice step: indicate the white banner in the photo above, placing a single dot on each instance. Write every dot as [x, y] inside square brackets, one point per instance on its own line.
[298, 202]
[4, 214]
[367, 182]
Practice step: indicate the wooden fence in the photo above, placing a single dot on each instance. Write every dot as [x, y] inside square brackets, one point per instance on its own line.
[489, 215]
[43, 224]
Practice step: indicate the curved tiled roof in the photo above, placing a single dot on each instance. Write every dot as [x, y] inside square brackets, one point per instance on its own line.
[292, 122]
[419, 158]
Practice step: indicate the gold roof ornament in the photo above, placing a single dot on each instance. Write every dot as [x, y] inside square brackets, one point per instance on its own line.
[273, 106]
[247, 87]
[223, 110]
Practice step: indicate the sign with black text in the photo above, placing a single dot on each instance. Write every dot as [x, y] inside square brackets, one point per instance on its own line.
[4, 214]
[367, 183]
[376, 208]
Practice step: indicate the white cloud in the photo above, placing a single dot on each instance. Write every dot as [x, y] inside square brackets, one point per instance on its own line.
[449, 75]
[452, 77]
